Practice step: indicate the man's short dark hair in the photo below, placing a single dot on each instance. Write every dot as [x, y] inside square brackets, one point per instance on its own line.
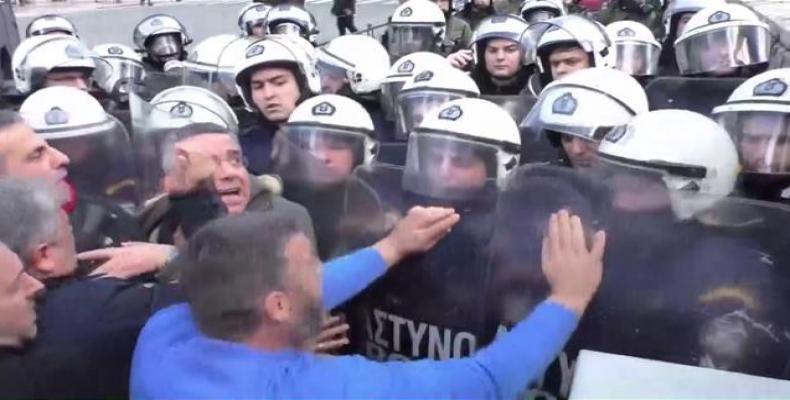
[229, 265]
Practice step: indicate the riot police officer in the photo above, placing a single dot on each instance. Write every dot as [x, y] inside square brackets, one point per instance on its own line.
[278, 74]
[676, 16]
[541, 10]
[56, 60]
[287, 19]
[458, 156]
[127, 71]
[636, 49]
[416, 25]
[211, 64]
[324, 140]
[101, 165]
[574, 114]
[724, 41]
[355, 66]
[161, 38]
[756, 116]
[565, 45]
[401, 72]
[252, 20]
[502, 58]
[50, 23]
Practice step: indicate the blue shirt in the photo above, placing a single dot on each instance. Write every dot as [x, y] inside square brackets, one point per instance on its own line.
[174, 360]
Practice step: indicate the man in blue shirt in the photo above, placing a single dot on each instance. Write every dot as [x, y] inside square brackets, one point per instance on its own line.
[252, 308]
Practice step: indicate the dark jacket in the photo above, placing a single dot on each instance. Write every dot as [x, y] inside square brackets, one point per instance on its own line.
[256, 145]
[98, 223]
[87, 333]
[339, 7]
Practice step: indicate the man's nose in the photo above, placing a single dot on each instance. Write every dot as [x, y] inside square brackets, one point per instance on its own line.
[59, 159]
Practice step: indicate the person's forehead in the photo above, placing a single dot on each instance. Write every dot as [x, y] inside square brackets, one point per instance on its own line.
[68, 72]
[500, 43]
[568, 52]
[763, 124]
[18, 137]
[269, 73]
[210, 142]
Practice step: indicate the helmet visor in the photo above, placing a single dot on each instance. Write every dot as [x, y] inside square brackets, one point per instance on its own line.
[287, 28]
[389, 97]
[319, 155]
[723, 50]
[414, 106]
[447, 167]
[539, 15]
[165, 47]
[406, 39]
[762, 139]
[637, 59]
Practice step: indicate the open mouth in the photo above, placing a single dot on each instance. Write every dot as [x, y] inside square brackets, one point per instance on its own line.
[229, 192]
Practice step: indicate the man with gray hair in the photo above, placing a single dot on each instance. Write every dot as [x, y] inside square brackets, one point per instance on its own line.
[88, 327]
[24, 154]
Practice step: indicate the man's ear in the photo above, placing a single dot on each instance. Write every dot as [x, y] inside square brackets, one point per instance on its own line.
[42, 265]
[277, 306]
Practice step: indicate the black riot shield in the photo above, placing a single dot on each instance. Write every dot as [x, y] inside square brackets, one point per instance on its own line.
[700, 95]
[431, 305]
[709, 291]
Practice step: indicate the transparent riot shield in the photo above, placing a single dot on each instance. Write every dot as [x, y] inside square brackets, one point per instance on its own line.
[700, 95]
[705, 291]
[157, 82]
[432, 305]
[102, 163]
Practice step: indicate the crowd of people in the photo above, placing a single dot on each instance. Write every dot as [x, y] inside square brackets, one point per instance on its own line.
[454, 209]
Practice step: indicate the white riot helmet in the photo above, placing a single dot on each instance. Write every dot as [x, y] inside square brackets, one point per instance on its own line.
[689, 154]
[401, 72]
[127, 69]
[360, 60]
[636, 49]
[427, 91]
[162, 37]
[541, 10]
[567, 31]
[679, 7]
[720, 39]
[757, 116]
[196, 105]
[97, 144]
[334, 123]
[462, 134]
[508, 27]
[287, 19]
[253, 16]
[212, 63]
[276, 51]
[416, 25]
[46, 24]
[586, 104]
[39, 56]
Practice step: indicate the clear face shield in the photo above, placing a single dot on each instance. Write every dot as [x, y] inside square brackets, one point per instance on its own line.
[389, 97]
[413, 106]
[440, 166]
[288, 28]
[101, 159]
[406, 39]
[125, 75]
[762, 139]
[318, 156]
[723, 50]
[538, 15]
[164, 48]
[333, 77]
[637, 59]
[218, 80]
